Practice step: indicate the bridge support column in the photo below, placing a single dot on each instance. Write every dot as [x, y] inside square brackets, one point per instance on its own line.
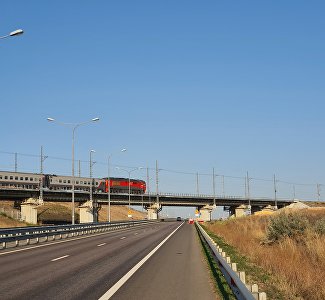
[205, 213]
[29, 211]
[88, 212]
[238, 211]
[153, 211]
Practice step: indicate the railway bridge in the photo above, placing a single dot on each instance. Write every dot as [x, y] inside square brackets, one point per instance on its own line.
[29, 199]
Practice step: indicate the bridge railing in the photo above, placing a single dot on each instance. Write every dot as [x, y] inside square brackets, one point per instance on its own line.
[15, 235]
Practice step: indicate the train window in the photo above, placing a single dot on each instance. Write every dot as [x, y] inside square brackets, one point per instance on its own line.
[68, 181]
[60, 180]
[0, 177]
[96, 183]
[21, 178]
[26, 178]
[16, 178]
[81, 182]
[77, 182]
[6, 177]
[11, 177]
[64, 181]
[31, 179]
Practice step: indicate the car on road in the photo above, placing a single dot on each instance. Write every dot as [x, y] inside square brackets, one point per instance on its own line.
[178, 219]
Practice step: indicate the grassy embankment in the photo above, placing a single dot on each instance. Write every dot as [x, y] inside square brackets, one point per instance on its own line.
[283, 253]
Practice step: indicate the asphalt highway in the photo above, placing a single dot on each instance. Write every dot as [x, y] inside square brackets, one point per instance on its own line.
[89, 267]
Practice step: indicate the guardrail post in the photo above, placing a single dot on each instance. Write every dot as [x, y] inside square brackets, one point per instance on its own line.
[254, 288]
[4, 245]
[228, 260]
[234, 267]
[242, 276]
[262, 296]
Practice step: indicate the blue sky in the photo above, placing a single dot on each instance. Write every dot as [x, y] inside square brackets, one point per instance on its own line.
[193, 84]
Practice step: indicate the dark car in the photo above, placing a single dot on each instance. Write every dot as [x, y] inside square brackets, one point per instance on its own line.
[178, 219]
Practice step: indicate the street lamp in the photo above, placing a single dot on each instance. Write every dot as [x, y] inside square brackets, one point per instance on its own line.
[13, 33]
[109, 185]
[129, 173]
[74, 127]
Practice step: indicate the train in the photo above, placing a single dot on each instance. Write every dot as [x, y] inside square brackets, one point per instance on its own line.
[52, 182]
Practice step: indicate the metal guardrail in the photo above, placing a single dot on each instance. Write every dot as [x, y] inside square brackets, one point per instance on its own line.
[27, 233]
[238, 287]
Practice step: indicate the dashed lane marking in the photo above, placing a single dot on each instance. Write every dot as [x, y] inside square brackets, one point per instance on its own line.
[123, 237]
[55, 259]
[101, 244]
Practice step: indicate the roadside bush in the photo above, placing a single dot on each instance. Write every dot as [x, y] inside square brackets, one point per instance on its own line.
[286, 225]
[320, 226]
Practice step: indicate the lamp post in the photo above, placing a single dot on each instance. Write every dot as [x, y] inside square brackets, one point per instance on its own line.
[109, 185]
[129, 173]
[13, 33]
[74, 127]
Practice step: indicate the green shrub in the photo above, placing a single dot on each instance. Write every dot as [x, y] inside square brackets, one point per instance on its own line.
[286, 225]
[320, 226]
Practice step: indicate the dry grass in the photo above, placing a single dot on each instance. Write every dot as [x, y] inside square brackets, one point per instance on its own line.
[297, 263]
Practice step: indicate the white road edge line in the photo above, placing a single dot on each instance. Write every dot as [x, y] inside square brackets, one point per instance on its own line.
[101, 244]
[128, 275]
[122, 238]
[55, 259]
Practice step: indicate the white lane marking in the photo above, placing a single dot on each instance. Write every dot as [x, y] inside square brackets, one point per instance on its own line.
[128, 275]
[55, 259]
[123, 237]
[136, 233]
[60, 242]
[101, 244]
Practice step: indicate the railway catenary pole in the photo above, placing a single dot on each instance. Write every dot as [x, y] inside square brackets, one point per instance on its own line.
[91, 163]
[157, 180]
[16, 162]
[129, 180]
[148, 185]
[275, 191]
[75, 126]
[214, 187]
[109, 186]
[197, 183]
[13, 33]
[248, 192]
[318, 191]
[41, 201]
[223, 185]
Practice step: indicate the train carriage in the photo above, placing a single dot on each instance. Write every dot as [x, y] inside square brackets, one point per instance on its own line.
[18, 180]
[57, 182]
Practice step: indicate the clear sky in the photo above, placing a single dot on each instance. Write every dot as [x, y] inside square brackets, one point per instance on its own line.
[234, 85]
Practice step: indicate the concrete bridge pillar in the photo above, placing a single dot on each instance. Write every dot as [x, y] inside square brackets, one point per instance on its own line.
[205, 213]
[238, 211]
[29, 210]
[153, 211]
[88, 212]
